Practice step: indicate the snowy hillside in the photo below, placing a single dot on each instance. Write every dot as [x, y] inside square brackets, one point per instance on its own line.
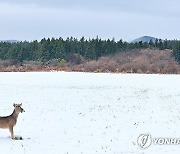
[87, 113]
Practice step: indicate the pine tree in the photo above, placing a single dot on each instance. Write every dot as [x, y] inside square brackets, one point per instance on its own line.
[176, 51]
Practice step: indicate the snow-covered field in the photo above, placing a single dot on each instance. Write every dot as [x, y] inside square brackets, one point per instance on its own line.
[87, 113]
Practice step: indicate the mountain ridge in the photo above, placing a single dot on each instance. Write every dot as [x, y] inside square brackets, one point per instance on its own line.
[144, 39]
[10, 41]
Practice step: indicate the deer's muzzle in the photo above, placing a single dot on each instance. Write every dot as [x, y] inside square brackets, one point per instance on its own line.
[22, 110]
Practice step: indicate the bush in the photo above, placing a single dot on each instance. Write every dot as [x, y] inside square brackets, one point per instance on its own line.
[62, 63]
[135, 61]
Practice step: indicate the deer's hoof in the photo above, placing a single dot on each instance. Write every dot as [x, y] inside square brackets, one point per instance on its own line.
[18, 138]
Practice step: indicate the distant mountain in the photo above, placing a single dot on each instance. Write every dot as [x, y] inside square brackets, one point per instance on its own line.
[10, 41]
[144, 39]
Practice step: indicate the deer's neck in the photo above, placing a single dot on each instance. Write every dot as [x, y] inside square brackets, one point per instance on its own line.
[15, 115]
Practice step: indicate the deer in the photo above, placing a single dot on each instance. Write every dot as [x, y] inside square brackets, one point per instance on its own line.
[8, 122]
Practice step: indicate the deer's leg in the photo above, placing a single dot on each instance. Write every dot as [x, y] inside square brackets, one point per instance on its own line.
[11, 131]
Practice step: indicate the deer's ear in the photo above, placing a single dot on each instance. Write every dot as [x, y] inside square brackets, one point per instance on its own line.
[14, 104]
[20, 104]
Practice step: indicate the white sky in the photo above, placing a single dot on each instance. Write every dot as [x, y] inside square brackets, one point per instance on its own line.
[126, 19]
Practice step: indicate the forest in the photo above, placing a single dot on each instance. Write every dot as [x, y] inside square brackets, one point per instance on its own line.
[90, 49]
[75, 51]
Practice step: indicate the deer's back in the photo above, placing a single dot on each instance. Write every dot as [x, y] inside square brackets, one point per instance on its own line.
[6, 122]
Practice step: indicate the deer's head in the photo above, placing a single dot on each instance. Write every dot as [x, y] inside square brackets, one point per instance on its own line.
[18, 108]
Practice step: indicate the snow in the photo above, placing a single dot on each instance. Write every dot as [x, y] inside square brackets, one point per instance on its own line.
[88, 113]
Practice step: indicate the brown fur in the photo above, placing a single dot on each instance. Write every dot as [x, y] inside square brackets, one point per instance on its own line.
[10, 121]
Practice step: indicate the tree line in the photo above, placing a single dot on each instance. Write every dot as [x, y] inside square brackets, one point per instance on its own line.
[90, 49]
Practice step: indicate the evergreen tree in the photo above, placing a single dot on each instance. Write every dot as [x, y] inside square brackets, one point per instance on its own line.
[176, 51]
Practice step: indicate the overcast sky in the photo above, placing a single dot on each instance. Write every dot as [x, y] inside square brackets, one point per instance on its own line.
[126, 19]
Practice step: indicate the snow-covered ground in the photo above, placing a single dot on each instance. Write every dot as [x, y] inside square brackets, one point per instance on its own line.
[87, 113]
